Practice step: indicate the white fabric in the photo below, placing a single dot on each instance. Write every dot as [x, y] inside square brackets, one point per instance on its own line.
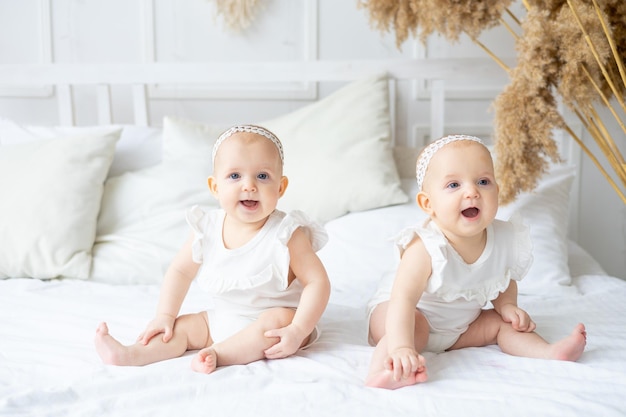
[254, 277]
[245, 281]
[456, 291]
[338, 154]
[138, 147]
[49, 366]
[51, 192]
[142, 221]
[546, 211]
[507, 256]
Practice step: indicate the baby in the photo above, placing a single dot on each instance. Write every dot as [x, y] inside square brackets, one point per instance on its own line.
[259, 265]
[450, 267]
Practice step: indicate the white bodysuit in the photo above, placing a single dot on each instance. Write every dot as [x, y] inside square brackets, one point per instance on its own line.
[248, 280]
[456, 291]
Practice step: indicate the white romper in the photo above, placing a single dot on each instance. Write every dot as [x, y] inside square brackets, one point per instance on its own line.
[248, 280]
[456, 291]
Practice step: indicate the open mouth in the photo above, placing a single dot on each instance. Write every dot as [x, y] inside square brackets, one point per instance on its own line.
[470, 212]
[249, 203]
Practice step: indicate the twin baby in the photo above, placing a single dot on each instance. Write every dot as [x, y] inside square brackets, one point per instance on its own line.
[270, 288]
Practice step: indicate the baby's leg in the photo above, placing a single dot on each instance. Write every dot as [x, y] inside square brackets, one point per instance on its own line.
[489, 328]
[190, 332]
[379, 376]
[246, 346]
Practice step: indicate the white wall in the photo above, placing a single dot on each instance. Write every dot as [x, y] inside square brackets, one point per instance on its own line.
[39, 31]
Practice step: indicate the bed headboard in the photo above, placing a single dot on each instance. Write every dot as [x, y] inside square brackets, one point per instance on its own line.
[142, 93]
[140, 78]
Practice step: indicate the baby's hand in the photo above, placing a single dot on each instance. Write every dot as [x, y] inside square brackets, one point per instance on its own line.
[162, 323]
[291, 338]
[404, 362]
[520, 320]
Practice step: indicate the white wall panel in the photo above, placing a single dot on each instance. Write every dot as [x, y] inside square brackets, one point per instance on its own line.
[191, 32]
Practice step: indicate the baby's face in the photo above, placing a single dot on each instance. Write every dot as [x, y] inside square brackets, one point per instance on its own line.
[461, 187]
[247, 177]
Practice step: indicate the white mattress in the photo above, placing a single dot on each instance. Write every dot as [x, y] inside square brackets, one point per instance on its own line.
[48, 366]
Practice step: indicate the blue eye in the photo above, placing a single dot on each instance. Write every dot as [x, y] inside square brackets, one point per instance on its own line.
[263, 176]
[484, 181]
[453, 185]
[234, 176]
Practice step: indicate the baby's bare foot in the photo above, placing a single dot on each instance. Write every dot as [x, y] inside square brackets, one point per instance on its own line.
[110, 350]
[205, 361]
[571, 348]
[385, 379]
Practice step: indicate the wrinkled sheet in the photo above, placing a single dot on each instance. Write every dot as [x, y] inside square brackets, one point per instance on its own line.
[49, 367]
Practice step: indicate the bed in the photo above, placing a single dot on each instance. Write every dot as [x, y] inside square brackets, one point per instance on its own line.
[91, 215]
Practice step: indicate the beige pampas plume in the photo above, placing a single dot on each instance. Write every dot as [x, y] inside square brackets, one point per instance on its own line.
[237, 14]
[572, 50]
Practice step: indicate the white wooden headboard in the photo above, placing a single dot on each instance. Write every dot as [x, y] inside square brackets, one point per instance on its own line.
[138, 81]
[139, 77]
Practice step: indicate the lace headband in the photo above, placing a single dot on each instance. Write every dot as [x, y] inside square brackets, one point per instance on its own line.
[431, 150]
[249, 129]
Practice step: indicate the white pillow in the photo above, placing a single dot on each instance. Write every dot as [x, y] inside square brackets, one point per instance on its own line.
[359, 252]
[546, 211]
[138, 146]
[142, 220]
[338, 154]
[51, 192]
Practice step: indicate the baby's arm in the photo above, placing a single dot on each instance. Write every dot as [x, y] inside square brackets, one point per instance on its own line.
[180, 273]
[409, 284]
[506, 305]
[310, 271]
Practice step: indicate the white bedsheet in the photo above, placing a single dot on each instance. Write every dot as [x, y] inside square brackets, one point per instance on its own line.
[48, 366]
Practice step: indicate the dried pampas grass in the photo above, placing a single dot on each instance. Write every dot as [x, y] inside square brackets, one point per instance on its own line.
[448, 17]
[237, 14]
[569, 50]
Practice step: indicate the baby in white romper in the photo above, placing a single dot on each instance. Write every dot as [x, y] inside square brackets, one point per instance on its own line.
[260, 265]
[450, 267]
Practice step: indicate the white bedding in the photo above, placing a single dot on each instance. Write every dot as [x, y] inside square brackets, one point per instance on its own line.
[48, 366]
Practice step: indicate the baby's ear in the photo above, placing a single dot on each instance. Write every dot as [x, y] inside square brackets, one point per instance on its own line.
[212, 185]
[284, 182]
[423, 201]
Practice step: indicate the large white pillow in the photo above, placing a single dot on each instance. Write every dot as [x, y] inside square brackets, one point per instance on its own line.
[51, 192]
[338, 154]
[142, 220]
[138, 147]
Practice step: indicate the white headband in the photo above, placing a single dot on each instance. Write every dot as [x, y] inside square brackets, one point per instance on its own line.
[249, 129]
[431, 150]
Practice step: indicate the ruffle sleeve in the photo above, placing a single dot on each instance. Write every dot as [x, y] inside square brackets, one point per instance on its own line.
[196, 219]
[435, 244]
[295, 219]
[482, 281]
